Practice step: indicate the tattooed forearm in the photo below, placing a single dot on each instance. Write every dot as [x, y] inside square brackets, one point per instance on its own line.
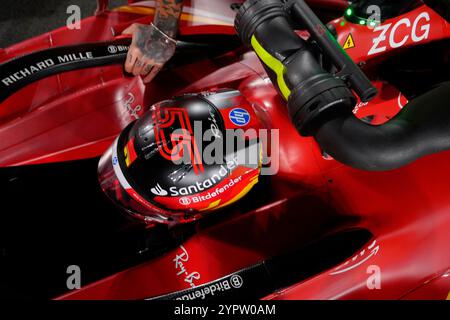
[153, 44]
[167, 14]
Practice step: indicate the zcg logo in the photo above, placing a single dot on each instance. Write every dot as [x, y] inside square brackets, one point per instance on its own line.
[390, 34]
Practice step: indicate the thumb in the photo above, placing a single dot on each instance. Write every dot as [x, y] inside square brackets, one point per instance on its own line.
[130, 30]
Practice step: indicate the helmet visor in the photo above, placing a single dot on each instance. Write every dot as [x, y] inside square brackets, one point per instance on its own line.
[116, 187]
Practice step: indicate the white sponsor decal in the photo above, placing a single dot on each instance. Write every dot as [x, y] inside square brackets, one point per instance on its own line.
[45, 64]
[185, 201]
[112, 49]
[236, 281]
[358, 259]
[75, 57]
[388, 33]
[120, 48]
[157, 190]
[180, 260]
[216, 192]
[359, 106]
[233, 282]
[206, 184]
[133, 111]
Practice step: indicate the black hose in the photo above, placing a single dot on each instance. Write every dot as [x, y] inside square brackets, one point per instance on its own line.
[313, 94]
[420, 129]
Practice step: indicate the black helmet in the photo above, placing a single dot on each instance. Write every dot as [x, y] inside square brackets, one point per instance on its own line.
[173, 165]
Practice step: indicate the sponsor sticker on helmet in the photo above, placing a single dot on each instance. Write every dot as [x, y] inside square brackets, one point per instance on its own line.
[157, 190]
[185, 201]
[216, 192]
[198, 186]
[239, 116]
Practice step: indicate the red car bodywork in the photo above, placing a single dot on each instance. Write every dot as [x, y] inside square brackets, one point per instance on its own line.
[77, 115]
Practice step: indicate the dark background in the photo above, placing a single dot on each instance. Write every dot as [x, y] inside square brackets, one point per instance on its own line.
[22, 19]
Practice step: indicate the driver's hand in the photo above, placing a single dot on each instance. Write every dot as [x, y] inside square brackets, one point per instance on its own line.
[150, 49]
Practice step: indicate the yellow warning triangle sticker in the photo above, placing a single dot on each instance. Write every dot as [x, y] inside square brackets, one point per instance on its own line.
[349, 42]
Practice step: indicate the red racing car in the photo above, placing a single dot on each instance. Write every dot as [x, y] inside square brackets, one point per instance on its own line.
[348, 198]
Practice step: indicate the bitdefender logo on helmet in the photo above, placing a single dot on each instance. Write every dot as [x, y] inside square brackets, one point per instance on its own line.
[217, 191]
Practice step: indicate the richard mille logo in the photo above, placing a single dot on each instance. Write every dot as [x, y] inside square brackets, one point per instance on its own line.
[29, 70]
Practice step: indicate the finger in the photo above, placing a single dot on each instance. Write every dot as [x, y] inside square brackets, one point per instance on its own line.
[152, 73]
[148, 66]
[131, 29]
[138, 66]
[132, 57]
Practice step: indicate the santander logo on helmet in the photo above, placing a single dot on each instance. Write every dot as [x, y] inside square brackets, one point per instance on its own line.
[198, 186]
[157, 190]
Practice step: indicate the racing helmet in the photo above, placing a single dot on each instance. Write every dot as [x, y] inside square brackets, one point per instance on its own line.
[184, 158]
